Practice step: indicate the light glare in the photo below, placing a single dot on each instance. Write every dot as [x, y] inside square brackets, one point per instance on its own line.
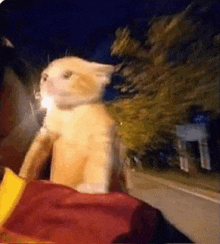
[47, 103]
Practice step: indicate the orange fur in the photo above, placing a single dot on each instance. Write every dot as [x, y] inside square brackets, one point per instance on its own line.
[78, 128]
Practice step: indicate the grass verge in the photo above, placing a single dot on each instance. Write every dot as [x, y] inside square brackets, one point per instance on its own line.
[207, 181]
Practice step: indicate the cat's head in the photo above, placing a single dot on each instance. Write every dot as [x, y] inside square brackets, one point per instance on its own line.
[71, 81]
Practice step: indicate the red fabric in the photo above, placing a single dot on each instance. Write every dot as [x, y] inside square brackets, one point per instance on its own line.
[9, 237]
[60, 214]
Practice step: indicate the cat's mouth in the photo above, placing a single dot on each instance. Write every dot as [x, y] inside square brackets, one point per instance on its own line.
[65, 94]
[48, 100]
[64, 101]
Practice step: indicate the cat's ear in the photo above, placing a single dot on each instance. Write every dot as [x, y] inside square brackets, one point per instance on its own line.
[103, 72]
[106, 68]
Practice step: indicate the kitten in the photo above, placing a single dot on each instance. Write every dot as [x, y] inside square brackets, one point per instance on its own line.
[82, 136]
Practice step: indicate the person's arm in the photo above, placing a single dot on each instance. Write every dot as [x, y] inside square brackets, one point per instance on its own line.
[37, 154]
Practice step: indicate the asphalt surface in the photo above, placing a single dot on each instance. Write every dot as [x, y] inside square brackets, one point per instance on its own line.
[195, 213]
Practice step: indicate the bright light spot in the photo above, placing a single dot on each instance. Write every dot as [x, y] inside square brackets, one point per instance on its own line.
[47, 103]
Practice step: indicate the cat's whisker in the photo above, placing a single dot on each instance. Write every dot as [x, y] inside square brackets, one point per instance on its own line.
[48, 58]
[66, 52]
[32, 110]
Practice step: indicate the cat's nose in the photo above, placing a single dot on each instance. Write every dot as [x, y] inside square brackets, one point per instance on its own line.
[37, 96]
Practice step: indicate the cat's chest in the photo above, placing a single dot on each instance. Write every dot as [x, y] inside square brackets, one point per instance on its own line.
[65, 124]
[76, 126]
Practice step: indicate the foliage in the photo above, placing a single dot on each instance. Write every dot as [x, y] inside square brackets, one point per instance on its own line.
[176, 67]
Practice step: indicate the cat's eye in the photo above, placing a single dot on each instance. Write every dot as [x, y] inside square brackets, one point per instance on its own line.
[44, 77]
[67, 74]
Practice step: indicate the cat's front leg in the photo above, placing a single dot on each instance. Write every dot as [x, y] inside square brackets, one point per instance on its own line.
[98, 188]
[97, 172]
[37, 154]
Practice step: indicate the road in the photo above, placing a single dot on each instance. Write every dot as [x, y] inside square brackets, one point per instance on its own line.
[195, 216]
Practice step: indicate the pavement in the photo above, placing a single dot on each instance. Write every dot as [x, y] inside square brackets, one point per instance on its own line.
[194, 211]
[196, 191]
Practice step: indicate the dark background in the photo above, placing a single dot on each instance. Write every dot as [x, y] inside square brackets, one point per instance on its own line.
[42, 30]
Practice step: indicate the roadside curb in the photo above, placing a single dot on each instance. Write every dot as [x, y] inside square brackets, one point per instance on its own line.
[198, 192]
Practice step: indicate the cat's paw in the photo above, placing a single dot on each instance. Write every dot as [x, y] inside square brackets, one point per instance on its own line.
[98, 188]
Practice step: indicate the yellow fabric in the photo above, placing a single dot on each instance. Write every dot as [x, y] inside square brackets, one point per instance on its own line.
[11, 190]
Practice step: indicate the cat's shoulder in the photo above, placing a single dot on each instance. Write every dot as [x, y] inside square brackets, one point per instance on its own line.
[100, 114]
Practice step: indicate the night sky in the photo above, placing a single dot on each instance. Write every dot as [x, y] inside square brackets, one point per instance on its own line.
[48, 29]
